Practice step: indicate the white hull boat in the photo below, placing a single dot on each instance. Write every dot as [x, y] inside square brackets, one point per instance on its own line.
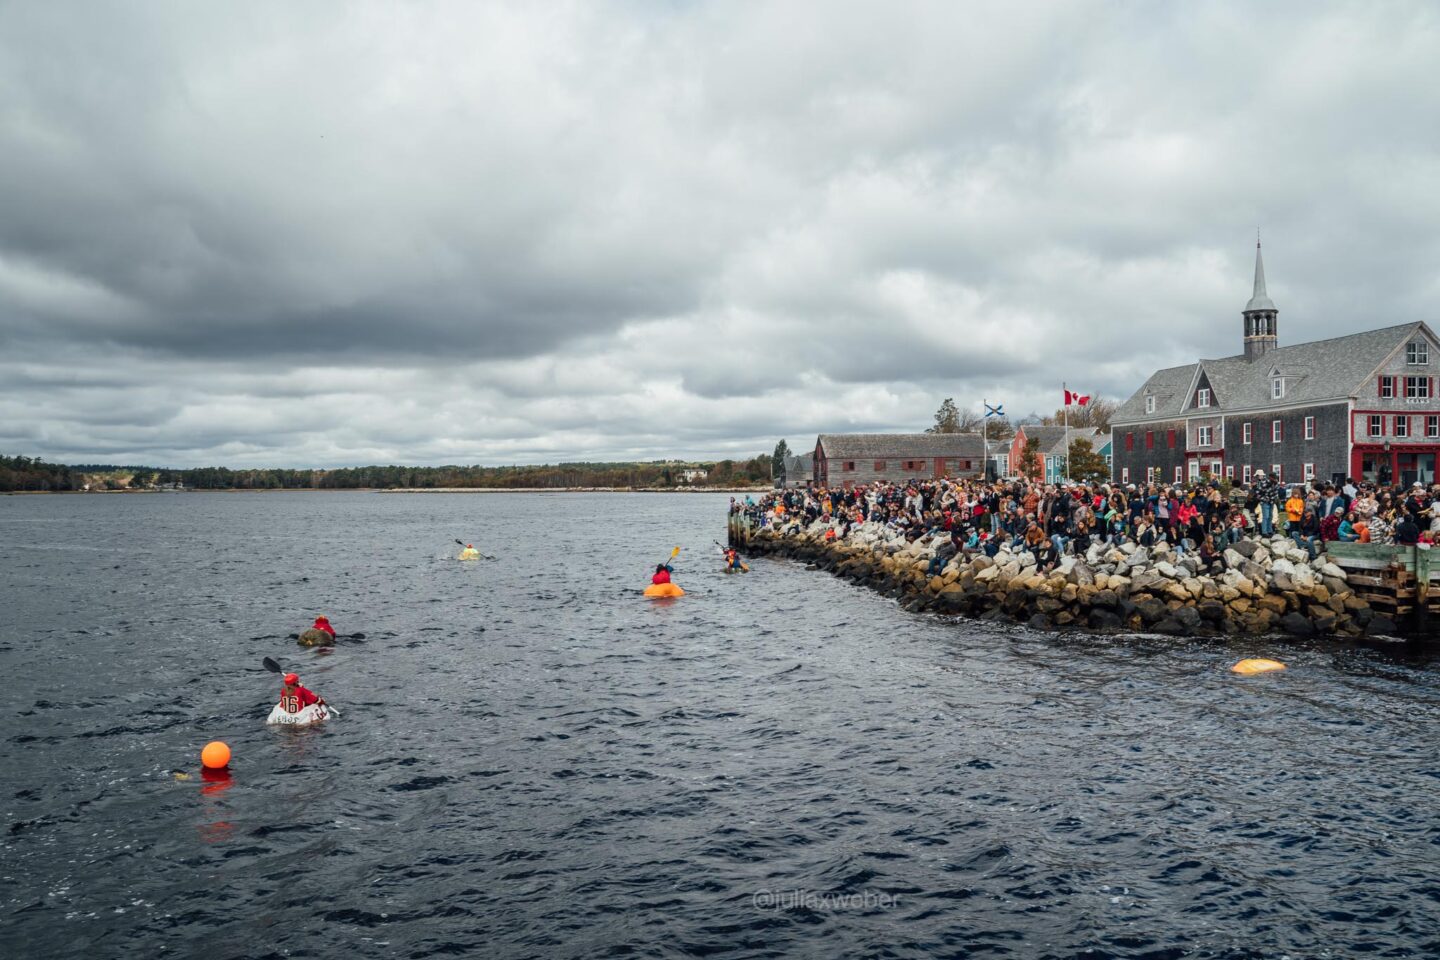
[304, 717]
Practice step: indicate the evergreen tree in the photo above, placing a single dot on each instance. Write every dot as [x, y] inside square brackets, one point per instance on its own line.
[947, 418]
[1031, 465]
[1085, 463]
[777, 460]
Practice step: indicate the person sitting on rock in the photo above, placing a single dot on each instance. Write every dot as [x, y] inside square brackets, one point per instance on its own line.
[1238, 527]
[1330, 526]
[1346, 533]
[1306, 533]
[948, 548]
[1046, 556]
[1211, 559]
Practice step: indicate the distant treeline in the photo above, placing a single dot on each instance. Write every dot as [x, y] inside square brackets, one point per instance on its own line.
[25, 473]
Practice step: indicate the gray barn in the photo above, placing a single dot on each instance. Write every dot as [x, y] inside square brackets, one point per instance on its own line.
[847, 459]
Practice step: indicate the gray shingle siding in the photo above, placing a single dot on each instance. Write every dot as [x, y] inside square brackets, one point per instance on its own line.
[1161, 455]
[1329, 451]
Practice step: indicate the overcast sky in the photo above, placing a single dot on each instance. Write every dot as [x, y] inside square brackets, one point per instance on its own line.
[320, 234]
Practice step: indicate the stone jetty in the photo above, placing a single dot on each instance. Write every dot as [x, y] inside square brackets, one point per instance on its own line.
[1270, 585]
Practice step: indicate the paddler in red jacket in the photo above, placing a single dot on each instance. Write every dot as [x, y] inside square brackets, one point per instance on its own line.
[322, 622]
[662, 574]
[293, 697]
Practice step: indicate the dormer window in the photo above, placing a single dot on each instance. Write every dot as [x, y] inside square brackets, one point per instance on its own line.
[1149, 404]
[1202, 397]
[1417, 353]
[1277, 388]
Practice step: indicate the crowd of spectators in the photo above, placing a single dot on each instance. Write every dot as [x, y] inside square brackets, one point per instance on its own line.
[1053, 520]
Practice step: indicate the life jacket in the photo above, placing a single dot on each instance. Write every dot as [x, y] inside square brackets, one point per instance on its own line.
[661, 576]
[322, 624]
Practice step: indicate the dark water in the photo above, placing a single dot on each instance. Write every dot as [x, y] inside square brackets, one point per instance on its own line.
[533, 761]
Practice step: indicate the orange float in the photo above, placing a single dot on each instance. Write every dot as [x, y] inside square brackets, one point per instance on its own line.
[663, 590]
[215, 756]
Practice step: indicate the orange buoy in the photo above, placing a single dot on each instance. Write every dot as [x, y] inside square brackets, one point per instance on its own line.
[216, 755]
[1258, 665]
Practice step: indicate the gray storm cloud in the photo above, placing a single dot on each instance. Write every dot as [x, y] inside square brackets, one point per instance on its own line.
[303, 234]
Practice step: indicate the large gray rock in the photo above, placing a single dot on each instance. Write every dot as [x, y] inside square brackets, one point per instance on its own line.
[1297, 625]
[1246, 548]
[1081, 575]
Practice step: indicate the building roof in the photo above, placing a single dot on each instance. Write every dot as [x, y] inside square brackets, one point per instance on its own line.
[1052, 439]
[795, 466]
[1315, 372]
[863, 446]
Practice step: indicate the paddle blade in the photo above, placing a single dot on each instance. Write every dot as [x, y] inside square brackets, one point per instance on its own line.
[674, 553]
[272, 666]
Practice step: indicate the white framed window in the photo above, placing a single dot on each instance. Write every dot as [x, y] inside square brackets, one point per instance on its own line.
[1377, 426]
[1152, 474]
[1387, 388]
[1230, 471]
[1179, 474]
[1245, 474]
[1203, 435]
[1432, 426]
[1202, 399]
[1277, 431]
[1402, 427]
[1124, 474]
[1149, 404]
[1277, 388]
[1309, 428]
[1417, 388]
[1247, 432]
[1276, 472]
[1417, 352]
[1309, 471]
[1215, 468]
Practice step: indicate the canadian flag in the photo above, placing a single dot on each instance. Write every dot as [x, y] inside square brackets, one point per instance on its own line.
[1081, 399]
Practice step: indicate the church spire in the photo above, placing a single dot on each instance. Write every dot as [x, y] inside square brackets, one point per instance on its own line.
[1260, 314]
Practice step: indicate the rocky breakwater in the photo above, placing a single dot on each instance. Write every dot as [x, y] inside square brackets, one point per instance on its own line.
[1270, 585]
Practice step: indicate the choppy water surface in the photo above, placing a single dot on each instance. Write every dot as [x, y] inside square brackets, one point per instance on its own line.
[533, 761]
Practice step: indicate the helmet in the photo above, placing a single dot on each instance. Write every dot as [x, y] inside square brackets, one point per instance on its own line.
[323, 617]
[292, 678]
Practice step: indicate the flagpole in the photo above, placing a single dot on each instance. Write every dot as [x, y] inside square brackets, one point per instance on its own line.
[1066, 391]
[985, 439]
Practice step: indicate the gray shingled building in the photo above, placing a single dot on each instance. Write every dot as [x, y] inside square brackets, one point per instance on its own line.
[1363, 406]
[847, 459]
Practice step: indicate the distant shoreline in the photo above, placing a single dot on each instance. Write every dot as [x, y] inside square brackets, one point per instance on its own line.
[86, 493]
